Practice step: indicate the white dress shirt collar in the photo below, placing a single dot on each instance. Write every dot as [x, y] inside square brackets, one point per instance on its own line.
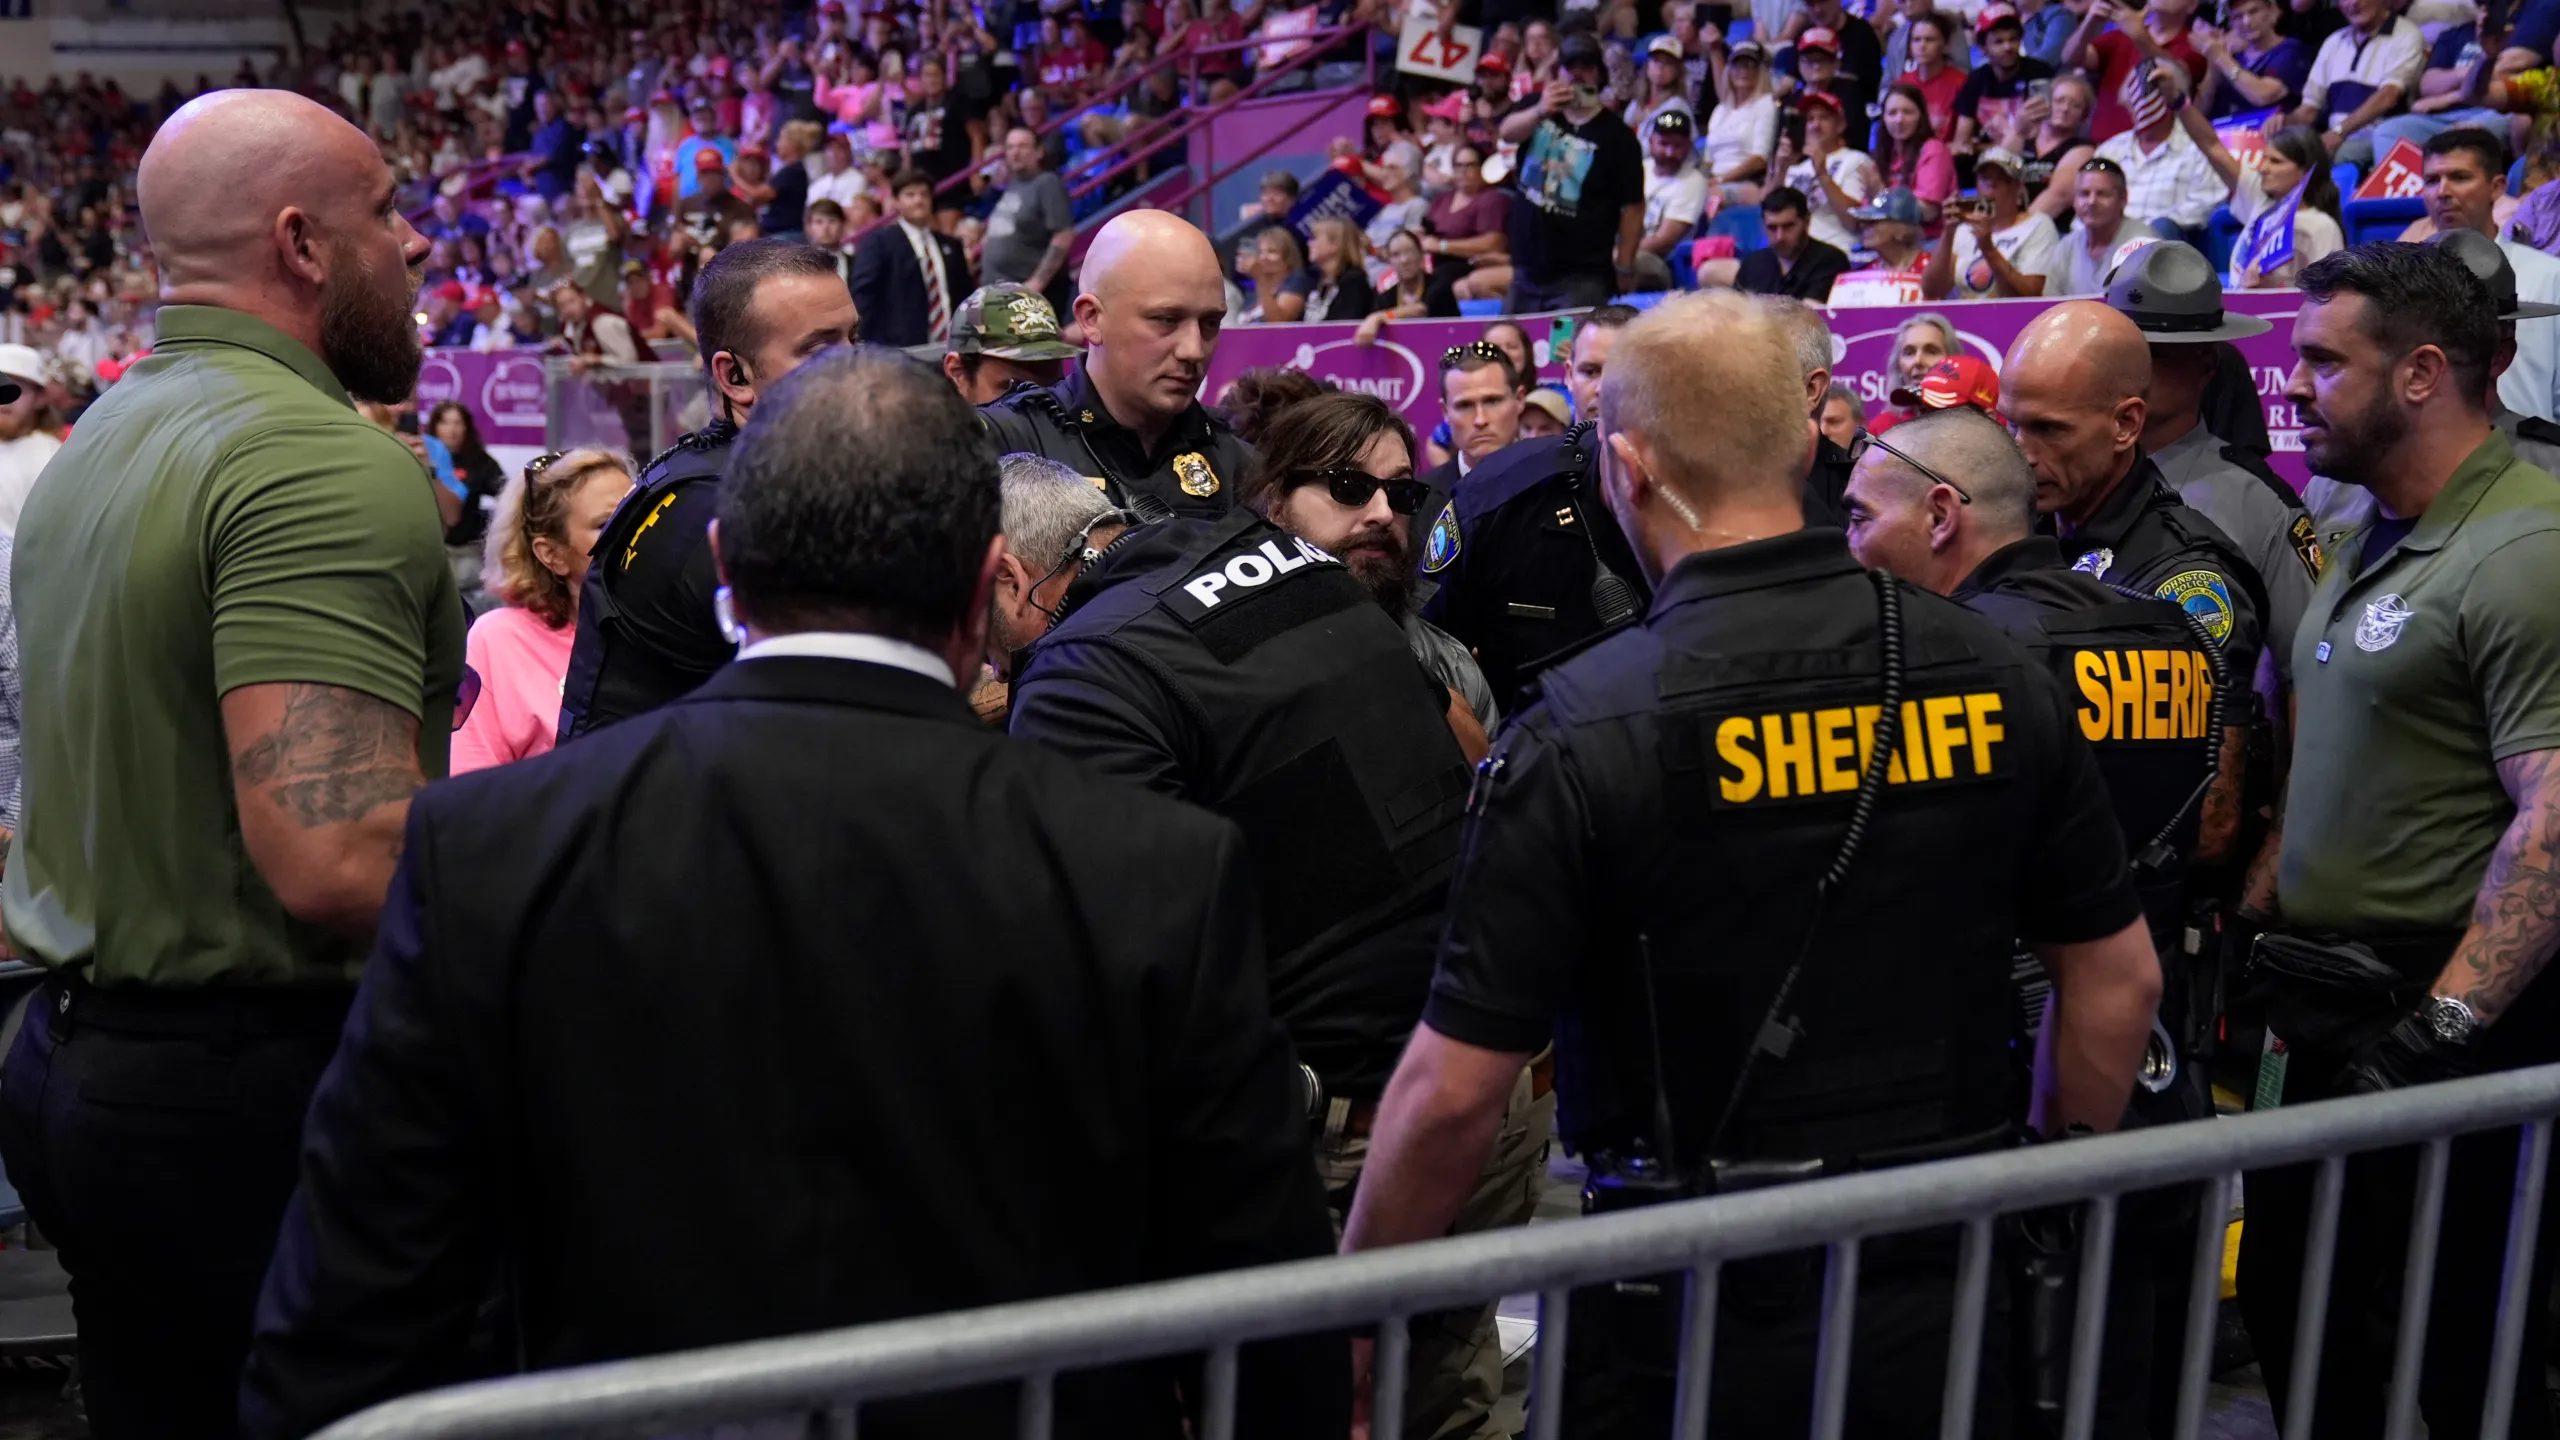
[850, 645]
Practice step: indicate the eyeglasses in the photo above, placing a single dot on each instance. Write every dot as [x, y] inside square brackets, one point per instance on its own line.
[1472, 350]
[540, 463]
[1867, 441]
[1351, 488]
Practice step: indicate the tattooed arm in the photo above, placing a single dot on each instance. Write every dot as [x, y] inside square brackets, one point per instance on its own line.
[2515, 924]
[322, 776]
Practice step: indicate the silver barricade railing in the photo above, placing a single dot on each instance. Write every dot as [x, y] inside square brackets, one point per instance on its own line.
[637, 409]
[826, 1375]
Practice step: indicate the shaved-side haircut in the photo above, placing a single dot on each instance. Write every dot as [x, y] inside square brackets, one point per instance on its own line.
[1709, 381]
[1965, 443]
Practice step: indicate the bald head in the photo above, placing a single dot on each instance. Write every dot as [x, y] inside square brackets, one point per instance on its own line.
[1153, 297]
[2074, 388]
[1154, 250]
[217, 175]
[2085, 346]
[262, 202]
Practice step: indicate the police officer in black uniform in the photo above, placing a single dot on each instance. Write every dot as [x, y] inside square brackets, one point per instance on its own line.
[1525, 562]
[1227, 663]
[1151, 303]
[2073, 389]
[646, 628]
[1780, 718]
[1947, 502]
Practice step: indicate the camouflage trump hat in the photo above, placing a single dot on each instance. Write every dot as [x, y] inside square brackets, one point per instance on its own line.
[1009, 322]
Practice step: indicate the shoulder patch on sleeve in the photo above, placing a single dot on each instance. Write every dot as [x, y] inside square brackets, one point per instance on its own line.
[2304, 535]
[2203, 594]
[1440, 547]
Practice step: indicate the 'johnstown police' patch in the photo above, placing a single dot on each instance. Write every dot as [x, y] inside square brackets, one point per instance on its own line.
[1440, 547]
[2203, 594]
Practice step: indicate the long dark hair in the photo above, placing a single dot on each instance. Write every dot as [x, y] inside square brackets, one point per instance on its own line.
[471, 449]
[2301, 145]
[1903, 168]
[1323, 433]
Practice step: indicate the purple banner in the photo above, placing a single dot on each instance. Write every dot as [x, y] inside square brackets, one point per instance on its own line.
[502, 389]
[1403, 367]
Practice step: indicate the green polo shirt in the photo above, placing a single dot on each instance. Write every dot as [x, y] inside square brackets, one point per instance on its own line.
[2414, 679]
[222, 517]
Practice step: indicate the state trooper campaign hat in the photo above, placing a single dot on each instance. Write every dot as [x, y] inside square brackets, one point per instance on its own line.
[2173, 295]
[1005, 320]
[2490, 263]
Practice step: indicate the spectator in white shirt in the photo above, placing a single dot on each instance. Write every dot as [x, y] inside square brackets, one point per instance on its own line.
[85, 338]
[1675, 197]
[840, 179]
[2089, 252]
[24, 449]
[2285, 201]
[1998, 249]
[1742, 131]
[1834, 178]
[1663, 87]
[2170, 186]
[2360, 75]
[2466, 173]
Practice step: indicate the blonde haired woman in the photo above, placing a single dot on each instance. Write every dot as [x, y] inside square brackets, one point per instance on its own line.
[546, 522]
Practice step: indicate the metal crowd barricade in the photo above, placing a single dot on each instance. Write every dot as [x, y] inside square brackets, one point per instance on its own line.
[824, 1377]
[637, 409]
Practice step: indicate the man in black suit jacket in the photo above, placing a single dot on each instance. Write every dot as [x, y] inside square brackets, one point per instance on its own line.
[803, 1001]
[1795, 264]
[909, 277]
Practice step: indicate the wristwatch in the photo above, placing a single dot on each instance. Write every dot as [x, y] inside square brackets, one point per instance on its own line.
[2452, 1020]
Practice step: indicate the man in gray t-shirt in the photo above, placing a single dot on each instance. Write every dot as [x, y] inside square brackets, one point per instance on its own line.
[1032, 227]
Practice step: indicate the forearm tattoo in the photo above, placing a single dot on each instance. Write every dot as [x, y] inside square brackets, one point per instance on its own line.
[335, 756]
[2515, 926]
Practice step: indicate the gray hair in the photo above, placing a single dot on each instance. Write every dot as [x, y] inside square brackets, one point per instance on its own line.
[1962, 441]
[1046, 505]
[1839, 391]
[1808, 329]
[1946, 331]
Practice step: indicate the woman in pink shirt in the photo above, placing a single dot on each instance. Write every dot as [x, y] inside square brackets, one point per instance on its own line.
[546, 521]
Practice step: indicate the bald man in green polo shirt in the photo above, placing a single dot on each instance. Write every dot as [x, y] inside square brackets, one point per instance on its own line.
[2421, 827]
[240, 646]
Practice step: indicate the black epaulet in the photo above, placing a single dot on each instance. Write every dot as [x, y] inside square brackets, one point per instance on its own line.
[718, 432]
[2300, 530]
[1532, 673]
[2256, 464]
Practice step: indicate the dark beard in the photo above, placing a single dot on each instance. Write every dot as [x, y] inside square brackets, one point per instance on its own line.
[368, 343]
[1388, 572]
[2353, 451]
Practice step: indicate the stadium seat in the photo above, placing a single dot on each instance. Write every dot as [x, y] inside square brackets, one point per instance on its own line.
[1738, 31]
[2348, 177]
[1642, 299]
[1742, 222]
[2220, 234]
[1479, 309]
[2381, 219]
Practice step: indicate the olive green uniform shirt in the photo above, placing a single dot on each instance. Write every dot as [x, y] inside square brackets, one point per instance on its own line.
[221, 517]
[2414, 679]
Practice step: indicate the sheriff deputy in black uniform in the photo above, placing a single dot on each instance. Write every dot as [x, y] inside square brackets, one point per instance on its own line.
[2074, 386]
[1523, 560]
[2146, 684]
[1889, 794]
[646, 628]
[1130, 416]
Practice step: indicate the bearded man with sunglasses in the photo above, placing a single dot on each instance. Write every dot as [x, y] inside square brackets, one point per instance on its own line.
[1337, 472]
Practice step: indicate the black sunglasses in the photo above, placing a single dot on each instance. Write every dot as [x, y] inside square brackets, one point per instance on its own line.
[1473, 349]
[1867, 440]
[1352, 488]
